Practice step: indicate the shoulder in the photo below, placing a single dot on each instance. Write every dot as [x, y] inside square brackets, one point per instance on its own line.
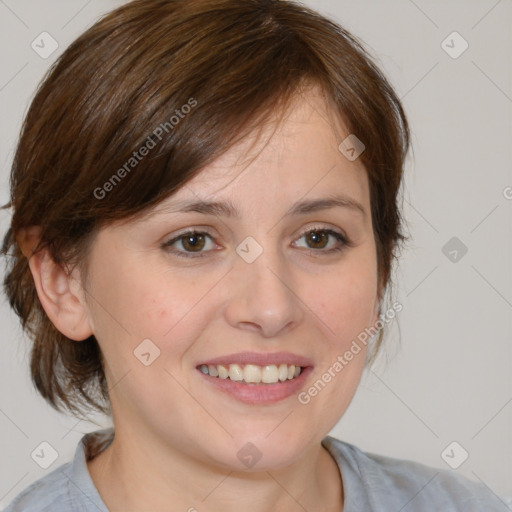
[413, 486]
[48, 494]
[69, 487]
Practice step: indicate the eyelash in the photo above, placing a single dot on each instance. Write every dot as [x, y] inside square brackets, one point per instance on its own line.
[345, 242]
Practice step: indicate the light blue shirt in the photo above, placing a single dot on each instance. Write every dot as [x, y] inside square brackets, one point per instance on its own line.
[371, 483]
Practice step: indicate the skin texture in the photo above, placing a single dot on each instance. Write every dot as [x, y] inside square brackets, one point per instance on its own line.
[177, 438]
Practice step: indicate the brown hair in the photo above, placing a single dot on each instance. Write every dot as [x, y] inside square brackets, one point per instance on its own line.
[123, 85]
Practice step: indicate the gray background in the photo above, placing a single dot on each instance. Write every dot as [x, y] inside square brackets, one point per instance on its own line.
[448, 376]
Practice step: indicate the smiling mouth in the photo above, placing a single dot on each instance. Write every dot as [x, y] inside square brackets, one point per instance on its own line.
[251, 373]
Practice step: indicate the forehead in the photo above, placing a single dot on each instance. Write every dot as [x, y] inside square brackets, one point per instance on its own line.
[299, 157]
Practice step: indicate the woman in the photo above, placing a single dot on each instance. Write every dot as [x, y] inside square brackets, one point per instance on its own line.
[205, 216]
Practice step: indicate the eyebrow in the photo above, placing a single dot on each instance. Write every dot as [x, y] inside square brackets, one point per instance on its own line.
[227, 209]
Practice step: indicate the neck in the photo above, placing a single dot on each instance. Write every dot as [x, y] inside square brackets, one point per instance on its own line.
[131, 475]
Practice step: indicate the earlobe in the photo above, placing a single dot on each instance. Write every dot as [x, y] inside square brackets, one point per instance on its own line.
[56, 292]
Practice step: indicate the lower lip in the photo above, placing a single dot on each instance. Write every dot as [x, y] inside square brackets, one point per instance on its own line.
[259, 394]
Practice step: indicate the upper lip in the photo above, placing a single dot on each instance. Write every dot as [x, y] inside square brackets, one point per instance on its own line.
[260, 359]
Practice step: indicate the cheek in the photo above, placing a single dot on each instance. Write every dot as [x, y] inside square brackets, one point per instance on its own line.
[166, 307]
[172, 310]
[144, 300]
[345, 302]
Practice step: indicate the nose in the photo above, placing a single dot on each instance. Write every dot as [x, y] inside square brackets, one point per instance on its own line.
[263, 296]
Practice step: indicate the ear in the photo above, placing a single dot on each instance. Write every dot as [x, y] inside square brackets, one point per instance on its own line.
[60, 293]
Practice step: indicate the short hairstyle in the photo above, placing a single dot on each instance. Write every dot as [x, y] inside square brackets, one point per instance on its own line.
[186, 80]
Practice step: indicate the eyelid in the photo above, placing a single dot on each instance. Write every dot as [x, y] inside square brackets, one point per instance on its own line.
[335, 232]
[323, 227]
[180, 235]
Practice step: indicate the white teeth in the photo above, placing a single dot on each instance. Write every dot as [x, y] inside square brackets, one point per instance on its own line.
[269, 374]
[235, 372]
[251, 373]
[212, 370]
[223, 372]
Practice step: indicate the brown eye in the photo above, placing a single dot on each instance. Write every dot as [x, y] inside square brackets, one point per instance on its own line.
[193, 242]
[317, 239]
[189, 244]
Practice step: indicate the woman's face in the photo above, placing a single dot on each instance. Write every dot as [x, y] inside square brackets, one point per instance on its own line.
[269, 278]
